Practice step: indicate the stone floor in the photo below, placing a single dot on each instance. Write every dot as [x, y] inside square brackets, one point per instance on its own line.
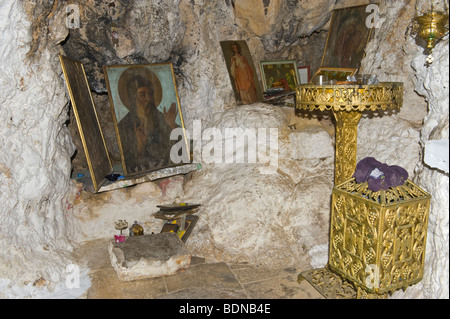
[204, 279]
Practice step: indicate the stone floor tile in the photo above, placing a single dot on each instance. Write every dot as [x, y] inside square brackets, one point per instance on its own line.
[203, 276]
[281, 288]
[241, 265]
[94, 254]
[106, 285]
[197, 260]
[201, 293]
[253, 274]
[204, 279]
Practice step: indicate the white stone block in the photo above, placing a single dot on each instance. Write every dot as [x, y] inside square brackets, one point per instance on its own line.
[313, 143]
[436, 154]
[148, 256]
[319, 256]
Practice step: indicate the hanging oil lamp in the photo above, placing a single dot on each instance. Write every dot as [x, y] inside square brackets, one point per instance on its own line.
[430, 26]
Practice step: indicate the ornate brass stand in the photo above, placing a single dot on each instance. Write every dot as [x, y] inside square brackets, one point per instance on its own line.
[378, 239]
[347, 103]
[346, 140]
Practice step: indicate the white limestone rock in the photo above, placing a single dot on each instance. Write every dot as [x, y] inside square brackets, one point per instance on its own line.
[433, 83]
[95, 214]
[270, 219]
[389, 54]
[390, 140]
[35, 150]
[319, 256]
[436, 154]
[311, 143]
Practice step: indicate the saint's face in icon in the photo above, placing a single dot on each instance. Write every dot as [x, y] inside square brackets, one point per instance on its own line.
[140, 93]
[143, 95]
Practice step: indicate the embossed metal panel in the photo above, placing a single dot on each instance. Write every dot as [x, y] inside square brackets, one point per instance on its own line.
[378, 239]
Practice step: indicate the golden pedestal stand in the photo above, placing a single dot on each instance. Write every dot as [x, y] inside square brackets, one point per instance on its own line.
[347, 103]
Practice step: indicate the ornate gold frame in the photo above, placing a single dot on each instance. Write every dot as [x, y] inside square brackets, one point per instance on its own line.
[353, 17]
[292, 69]
[167, 92]
[91, 134]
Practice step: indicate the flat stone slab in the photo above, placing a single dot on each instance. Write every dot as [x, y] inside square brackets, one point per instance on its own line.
[147, 256]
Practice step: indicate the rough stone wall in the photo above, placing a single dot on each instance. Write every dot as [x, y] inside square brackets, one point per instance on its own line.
[270, 213]
[96, 213]
[433, 83]
[206, 95]
[191, 42]
[35, 150]
[394, 55]
[281, 217]
[392, 137]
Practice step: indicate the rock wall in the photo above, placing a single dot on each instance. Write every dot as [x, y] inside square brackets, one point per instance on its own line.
[191, 41]
[35, 156]
[275, 215]
[268, 213]
[433, 82]
[392, 137]
[206, 95]
[394, 55]
[96, 213]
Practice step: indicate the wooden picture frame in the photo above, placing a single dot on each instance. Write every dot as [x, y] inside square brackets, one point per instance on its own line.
[337, 74]
[279, 75]
[241, 70]
[304, 74]
[92, 138]
[146, 109]
[347, 38]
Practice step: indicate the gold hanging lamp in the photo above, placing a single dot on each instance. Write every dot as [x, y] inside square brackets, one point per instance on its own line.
[430, 26]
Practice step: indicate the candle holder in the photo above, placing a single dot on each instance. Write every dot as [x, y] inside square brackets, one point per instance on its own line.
[120, 225]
